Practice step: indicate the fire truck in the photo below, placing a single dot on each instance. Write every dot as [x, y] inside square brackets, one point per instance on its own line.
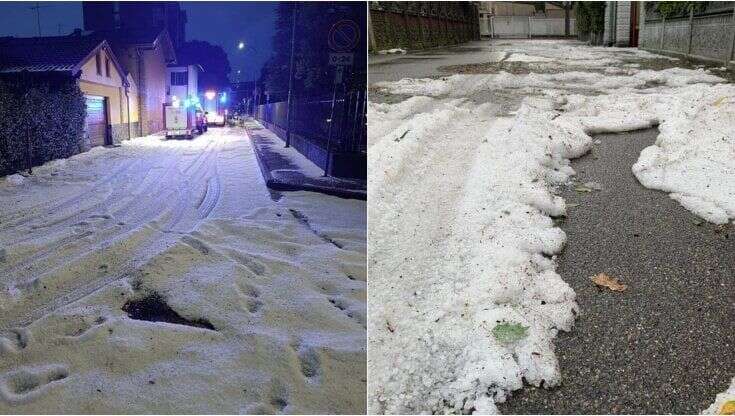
[214, 104]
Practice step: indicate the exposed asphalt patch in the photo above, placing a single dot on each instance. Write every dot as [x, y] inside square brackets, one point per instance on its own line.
[665, 344]
[153, 308]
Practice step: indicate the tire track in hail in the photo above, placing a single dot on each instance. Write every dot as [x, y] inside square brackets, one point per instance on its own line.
[125, 270]
[51, 249]
[22, 217]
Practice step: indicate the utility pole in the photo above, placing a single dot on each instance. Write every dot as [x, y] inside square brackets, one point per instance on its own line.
[290, 79]
[37, 8]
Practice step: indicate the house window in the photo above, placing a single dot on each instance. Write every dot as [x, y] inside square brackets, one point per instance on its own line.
[179, 78]
[98, 62]
[107, 67]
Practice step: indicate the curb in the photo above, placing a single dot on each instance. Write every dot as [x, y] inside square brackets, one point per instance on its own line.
[278, 185]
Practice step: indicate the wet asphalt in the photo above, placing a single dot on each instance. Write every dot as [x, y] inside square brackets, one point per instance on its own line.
[666, 344]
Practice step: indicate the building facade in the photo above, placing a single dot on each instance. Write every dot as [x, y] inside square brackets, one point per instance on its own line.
[117, 15]
[145, 56]
[112, 111]
[182, 82]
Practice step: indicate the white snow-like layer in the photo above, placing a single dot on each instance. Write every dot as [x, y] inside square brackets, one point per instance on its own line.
[720, 400]
[443, 276]
[392, 51]
[460, 228]
[15, 180]
[283, 284]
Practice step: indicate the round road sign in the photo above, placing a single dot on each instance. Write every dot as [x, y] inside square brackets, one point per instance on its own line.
[344, 35]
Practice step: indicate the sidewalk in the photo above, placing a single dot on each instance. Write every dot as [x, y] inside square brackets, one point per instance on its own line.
[285, 169]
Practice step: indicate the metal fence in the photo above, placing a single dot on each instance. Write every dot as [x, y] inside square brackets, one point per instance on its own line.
[313, 117]
[525, 26]
[710, 36]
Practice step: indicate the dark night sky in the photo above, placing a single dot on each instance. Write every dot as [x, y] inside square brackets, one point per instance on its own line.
[221, 23]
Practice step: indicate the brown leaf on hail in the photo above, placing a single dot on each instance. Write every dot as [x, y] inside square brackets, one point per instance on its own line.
[611, 283]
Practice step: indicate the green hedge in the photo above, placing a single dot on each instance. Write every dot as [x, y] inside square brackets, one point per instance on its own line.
[48, 110]
[590, 17]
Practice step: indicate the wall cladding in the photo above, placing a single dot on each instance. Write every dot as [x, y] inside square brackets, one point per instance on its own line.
[710, 37]
[419, 25]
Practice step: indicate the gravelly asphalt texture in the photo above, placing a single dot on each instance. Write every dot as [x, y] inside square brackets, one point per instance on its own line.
[666, 344]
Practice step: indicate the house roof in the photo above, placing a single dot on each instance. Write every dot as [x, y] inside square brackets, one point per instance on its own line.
[52, 54]
[55, 53]
[121, 39]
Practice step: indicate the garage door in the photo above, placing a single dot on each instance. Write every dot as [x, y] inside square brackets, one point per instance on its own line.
[95, 125]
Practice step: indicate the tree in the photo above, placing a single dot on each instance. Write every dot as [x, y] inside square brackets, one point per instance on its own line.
[312, 74]
[213, 60]
[567, 6]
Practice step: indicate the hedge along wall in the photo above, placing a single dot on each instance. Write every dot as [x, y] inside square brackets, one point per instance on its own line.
[47, 110]
[420, 25]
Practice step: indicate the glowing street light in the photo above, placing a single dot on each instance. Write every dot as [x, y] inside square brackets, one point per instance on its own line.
[241, 45]
[210, 95]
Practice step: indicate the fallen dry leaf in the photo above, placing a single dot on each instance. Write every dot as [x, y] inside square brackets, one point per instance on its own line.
[719, 101]
[728, 408]
[611, 283]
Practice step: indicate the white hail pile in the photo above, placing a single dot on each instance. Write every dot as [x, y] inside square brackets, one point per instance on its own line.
[282, 285]
[461, 240]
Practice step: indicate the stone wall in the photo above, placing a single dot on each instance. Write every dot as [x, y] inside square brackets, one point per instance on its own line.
[622, 20]
[120, 132]
[709, 37]
[420, 25]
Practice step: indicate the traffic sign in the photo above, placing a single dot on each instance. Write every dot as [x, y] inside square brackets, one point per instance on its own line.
[344, 36]
[341, 59]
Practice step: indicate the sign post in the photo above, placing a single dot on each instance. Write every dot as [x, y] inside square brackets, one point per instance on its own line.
[343, 38]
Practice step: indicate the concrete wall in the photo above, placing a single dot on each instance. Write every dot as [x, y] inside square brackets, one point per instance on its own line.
[525, 27]
[622, 23]
[707, 37]
[148, 71]
[153, 94]
[419, 25]
[617, 23]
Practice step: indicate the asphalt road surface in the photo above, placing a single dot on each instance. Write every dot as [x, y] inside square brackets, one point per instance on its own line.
[665, 344]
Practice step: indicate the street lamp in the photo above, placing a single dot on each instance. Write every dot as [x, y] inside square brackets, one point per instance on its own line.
[241, 45]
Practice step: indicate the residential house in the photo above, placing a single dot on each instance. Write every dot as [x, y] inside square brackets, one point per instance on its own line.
[118, 15]
[182, 82]
[144, 54]
[112, 110]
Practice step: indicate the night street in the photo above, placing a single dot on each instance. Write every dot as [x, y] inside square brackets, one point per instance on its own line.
[183, 216]
[279, 277]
